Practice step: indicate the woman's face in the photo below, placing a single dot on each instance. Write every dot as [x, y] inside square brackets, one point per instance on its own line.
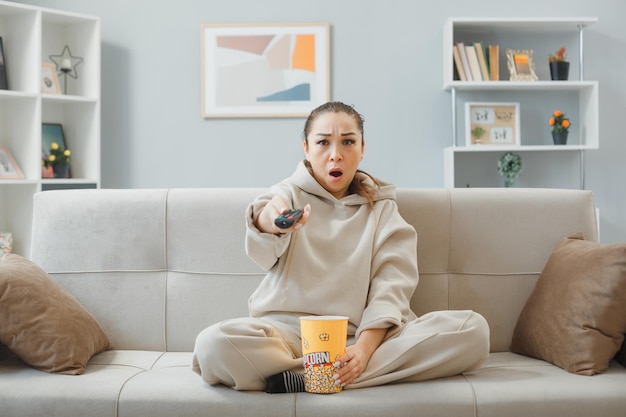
[334, 147]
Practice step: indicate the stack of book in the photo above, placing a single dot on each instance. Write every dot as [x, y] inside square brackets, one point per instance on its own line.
[476, 62]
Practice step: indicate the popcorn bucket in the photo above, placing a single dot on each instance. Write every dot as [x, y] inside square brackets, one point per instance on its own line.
[323, 341]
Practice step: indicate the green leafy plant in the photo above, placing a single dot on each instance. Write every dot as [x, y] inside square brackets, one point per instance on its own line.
[57, 156]
[510, 166]
[478, 132]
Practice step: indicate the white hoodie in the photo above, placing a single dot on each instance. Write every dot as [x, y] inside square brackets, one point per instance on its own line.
[349, 259]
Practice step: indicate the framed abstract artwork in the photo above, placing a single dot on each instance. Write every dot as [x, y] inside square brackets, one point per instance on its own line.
[264, 70]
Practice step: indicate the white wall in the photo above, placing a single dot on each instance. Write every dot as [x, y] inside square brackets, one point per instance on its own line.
[386, 60]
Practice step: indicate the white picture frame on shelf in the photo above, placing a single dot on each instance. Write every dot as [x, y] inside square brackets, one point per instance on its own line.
[491, 123]
[9, 169]
[49, 79]
[521, 65]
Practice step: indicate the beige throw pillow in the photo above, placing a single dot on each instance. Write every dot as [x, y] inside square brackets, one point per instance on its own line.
[43, 323]
[575, 317]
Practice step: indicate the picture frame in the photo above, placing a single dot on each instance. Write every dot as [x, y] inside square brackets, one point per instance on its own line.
[49, 79]
[52, 132]
[9, 169]
[521, 65]
[264, 70]
[4, 83]
[492, 124]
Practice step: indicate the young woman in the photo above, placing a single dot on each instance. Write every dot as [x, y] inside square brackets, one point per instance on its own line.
[350, 254]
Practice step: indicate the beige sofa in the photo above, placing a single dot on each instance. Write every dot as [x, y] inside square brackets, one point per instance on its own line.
[156, 266]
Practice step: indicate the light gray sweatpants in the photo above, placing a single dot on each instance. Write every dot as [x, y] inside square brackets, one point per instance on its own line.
[242, 353]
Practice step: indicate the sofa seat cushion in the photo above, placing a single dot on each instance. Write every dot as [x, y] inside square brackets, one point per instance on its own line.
[30, 392]
[513, 385]
[165, 386]
[575, 317]
[176, 391]
[443, 397]
[42, 322]
[162, 384]
[27, 391]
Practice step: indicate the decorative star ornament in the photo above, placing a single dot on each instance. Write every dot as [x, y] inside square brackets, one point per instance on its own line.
[66, 62]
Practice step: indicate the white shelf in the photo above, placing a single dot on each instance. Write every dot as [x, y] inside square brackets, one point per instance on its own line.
[504, 85]
[544, 169]
[530, 148]
[30, 35]
[58, 98]
[529, 24]
[50, 181]
[10, 94]
[578, 98]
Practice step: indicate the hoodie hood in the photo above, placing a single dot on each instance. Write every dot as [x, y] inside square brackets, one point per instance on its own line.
[303, 179]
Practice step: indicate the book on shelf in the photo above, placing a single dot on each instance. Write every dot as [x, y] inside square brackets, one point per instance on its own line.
[472, 57]
[466, 65]
[458, 64]
[4, 85]
[482, 60]
[494, 62]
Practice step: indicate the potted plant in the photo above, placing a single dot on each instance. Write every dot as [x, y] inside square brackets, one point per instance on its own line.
[59, 160]
[559, 66]
[510, 166]
[478, 132]
[560, 127]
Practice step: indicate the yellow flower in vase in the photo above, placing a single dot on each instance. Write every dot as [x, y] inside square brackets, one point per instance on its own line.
[59, 160]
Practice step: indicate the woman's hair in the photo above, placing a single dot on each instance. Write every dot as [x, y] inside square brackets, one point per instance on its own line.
[356, 187]
[333, 107]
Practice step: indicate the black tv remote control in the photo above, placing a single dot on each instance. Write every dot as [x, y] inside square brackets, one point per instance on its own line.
[286, 220]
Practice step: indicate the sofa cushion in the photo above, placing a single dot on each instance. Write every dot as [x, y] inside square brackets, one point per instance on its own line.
[575, 316]
[43, 323]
